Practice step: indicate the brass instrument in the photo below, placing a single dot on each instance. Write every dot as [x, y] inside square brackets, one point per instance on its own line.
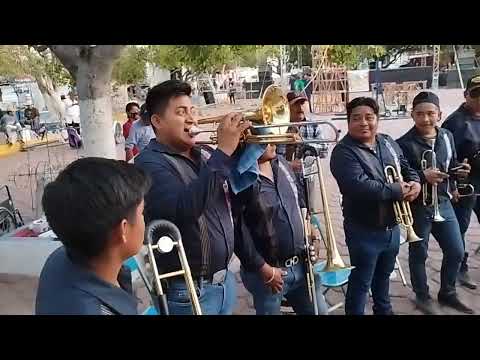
[467, 186]
[402, 210]
[334, 260]
[434, 194]
[163, 236]
[271, 122]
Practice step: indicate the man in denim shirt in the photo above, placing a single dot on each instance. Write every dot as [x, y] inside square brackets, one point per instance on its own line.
[190, 189]
[270, 240]
[140, 134]
[371, 231]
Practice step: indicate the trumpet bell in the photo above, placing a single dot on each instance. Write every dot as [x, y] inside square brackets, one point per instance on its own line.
[411, 236]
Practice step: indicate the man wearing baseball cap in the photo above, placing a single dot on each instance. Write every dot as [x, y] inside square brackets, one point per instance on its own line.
[293, 153]
[429, 216]
[464, 124]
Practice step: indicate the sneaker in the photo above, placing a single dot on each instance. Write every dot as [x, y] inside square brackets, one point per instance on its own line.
[455, 303]
[425, 306]
[464, 280]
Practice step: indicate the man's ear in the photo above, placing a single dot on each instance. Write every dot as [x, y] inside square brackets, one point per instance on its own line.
[156, 121]
[120, 232]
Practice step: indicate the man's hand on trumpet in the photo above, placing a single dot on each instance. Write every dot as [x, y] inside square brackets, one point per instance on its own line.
[410, 190]
[230, 131]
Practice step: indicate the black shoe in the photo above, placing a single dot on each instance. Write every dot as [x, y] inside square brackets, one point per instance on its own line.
[464, 280]
[455, 303]
[426, 306]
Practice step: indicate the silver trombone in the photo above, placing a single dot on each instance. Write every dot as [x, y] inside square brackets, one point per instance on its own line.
[434, 194]
[163, 236]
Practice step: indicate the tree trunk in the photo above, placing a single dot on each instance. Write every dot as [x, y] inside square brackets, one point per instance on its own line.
[52, 99]
[91, 66]
[94, 98]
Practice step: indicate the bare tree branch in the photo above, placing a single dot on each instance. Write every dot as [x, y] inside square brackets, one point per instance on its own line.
[68, 56]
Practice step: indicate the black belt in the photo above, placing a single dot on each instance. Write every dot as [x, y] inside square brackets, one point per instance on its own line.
[291, 261]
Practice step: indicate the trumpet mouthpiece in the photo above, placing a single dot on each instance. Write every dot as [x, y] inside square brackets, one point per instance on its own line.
[194, 131]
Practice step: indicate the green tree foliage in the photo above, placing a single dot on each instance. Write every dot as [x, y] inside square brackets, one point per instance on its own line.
[130, 67]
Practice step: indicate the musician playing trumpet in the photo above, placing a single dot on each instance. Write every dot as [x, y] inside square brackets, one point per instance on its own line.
[372, 234]
[433, 211]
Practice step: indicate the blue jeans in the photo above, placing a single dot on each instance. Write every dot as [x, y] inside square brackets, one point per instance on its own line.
[294, 290]
[373, 253]
[463, 211]
[218, 299]
[448, 236]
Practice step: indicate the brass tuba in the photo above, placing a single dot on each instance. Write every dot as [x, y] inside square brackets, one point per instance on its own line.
[403, 213]
[163, 236]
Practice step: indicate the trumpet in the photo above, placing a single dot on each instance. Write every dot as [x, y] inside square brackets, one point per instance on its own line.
[403, 213]
[434, 194]
[268, 138]
[271, 122]
[163, 236]
[470, 187]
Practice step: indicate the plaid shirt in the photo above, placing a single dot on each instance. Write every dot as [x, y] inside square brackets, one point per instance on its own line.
[307, 132]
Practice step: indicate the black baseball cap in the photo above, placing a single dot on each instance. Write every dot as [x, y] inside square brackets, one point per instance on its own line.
[426, 97]
[473, 83]
[293, 97]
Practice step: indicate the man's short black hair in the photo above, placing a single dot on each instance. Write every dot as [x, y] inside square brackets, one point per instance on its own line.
[89, 198]
[130, 105]
[362, 101]
[159, 96]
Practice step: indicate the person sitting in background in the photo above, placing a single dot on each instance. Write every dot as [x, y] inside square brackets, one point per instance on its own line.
[10, 125]
[86, 275]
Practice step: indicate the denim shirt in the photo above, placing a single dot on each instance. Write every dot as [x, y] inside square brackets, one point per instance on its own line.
[359, 171]
[68, 288]
[208, 195]
[268, 220]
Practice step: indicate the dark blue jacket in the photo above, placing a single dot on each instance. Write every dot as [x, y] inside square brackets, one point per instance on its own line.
[207, 195]
[68, 288]
[359, 171]
[413, 146]
[466, 133]
[268, 220]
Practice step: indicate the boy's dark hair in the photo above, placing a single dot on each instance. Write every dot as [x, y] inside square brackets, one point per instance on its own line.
[89, 198]
[159, 96]
[362, 101]
[130, 105]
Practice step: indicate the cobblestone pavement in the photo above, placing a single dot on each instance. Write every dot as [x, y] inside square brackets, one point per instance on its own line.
[17, 293]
